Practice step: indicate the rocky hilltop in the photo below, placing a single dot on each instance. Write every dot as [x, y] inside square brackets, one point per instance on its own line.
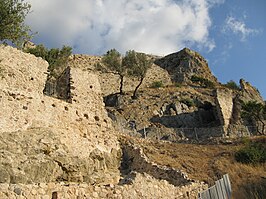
[69, 138]
[184, 64]
[182, 106]
[61, 143]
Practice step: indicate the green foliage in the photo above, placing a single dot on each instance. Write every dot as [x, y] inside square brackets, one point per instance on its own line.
[189, 102]
[136, 63]
[113, 61]
[253, 110]
[38, 51]
[57, 58]
[157, 84]
[232, 85]
[252, 153]
[202, 81]
[12, 17]
[137, 66]
[132, 64]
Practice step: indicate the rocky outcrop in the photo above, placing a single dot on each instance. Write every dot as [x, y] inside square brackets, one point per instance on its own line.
[44, 139]
[184, 64]
[249, 92]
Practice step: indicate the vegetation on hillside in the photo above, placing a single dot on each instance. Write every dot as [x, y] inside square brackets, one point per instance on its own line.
[202, 81]
[232, 85]
[133, 64]
[255, 111]
[12, 17]
[113, 60]
[188, 101]
[57, 58]
[252, 153]
[208, 162]
[157, 84]
[138, 65]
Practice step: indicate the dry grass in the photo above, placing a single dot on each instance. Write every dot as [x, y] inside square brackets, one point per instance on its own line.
[208, 163]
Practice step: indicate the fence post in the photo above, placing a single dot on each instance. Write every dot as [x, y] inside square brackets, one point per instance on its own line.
[144, 131]
[196, 135]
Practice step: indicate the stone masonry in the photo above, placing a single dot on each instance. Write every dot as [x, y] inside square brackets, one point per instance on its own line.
[50, 148]
[75, 141]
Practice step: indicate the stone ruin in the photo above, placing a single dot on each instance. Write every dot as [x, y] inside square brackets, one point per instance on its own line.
[44, 139]
[65, 145]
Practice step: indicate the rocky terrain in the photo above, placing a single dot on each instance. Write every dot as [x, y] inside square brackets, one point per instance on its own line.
[69, 139]
[47, 143]
[180, 105]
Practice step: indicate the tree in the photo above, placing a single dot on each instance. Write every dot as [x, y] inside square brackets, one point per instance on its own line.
[138, 65]
[113, 60]
[255, 111]
[12, 17]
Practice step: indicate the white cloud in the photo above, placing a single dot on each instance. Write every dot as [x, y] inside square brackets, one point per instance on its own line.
[238, 28]
[151, 26]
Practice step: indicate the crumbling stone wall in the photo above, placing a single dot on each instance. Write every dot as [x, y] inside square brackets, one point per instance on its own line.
[73, 141]
[135, 160]
[143, 186]
[50, 147]
[110, 82]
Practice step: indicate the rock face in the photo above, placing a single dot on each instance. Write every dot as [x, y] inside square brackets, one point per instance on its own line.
[224, 103]
[249, 93]
[43, 139]
[184, 64]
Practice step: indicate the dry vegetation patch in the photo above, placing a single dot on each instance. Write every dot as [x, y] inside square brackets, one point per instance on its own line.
[208, 163]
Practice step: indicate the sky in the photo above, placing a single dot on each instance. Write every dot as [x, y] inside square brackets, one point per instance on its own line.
[230, 34]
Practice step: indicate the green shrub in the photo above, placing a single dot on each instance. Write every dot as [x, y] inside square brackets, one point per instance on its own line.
[189, 102]
[157, 84]
[202, 81]
[232, 85]
[57, 58]
[252, 153]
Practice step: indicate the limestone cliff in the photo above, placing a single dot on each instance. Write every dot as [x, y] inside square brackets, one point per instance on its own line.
[249, 92]
[184, 64]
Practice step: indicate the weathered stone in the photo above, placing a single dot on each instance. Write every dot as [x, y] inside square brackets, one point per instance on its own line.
[184, 64]
[51, 140]
[249, 93]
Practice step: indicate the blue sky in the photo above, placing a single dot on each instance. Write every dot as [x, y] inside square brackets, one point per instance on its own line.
[237, 55]
[230, 34]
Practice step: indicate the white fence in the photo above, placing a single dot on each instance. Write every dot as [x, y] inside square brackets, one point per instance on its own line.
[221, 190]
